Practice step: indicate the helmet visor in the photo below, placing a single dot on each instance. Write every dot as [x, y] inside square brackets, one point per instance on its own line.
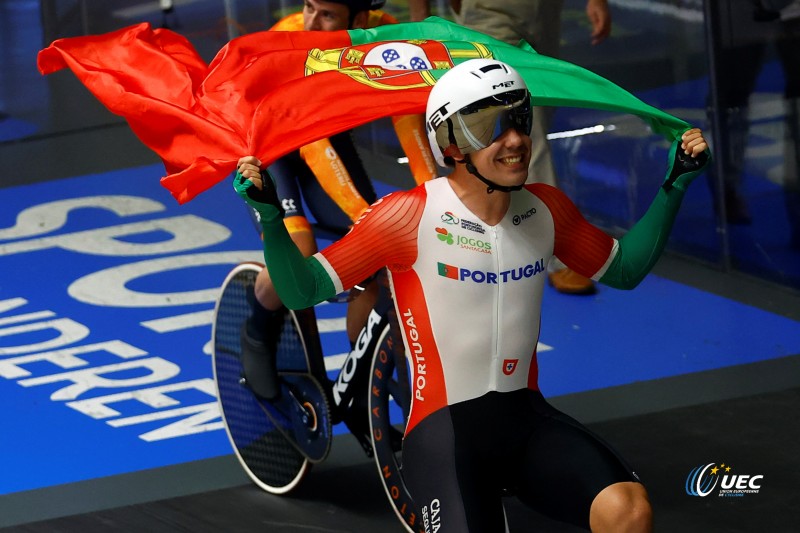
[478, 125]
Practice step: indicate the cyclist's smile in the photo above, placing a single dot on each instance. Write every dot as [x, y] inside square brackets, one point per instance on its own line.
[506, 159]
[511, 161]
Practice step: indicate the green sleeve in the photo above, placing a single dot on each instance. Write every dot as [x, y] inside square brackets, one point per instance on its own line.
[301, 282]
[641, 247]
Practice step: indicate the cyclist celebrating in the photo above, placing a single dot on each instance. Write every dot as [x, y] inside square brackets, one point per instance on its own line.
[470, 250]
[334, 184]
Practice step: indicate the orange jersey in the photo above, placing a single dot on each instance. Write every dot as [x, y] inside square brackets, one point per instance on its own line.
[294, 22]
[332, 175]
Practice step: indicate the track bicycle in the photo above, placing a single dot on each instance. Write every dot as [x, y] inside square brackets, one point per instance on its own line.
[278, 441]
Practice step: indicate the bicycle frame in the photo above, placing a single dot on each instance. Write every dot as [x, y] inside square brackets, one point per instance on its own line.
[360, 394]
[346, 396]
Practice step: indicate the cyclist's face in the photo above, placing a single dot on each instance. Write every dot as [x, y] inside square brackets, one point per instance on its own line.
[319, 15]
[505, 161]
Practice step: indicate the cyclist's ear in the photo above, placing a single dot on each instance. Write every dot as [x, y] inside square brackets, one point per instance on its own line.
[452, 154]
[360, 20]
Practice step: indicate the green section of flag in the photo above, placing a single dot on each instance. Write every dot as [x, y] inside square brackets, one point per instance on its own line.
[552, 82]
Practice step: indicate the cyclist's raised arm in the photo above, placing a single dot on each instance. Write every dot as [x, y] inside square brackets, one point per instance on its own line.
[384, 236]
[410, 130]
[640, 248]
[624, 263]
[300, 282]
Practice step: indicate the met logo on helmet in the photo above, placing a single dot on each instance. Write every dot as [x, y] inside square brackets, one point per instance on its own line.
[437, 117]
[505, 84]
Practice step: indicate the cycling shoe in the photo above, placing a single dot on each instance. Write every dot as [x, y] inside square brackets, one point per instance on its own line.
[260, 366]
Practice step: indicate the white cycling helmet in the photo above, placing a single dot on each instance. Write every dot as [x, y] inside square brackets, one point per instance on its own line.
[472, 104]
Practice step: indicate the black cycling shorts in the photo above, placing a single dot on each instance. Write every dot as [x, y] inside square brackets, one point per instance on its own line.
[460, 461]
[295, 183]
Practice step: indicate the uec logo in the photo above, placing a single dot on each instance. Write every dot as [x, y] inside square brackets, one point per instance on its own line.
[699, 483]
[702, 481]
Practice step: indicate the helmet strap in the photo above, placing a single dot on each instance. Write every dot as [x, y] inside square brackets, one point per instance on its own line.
[490, 185]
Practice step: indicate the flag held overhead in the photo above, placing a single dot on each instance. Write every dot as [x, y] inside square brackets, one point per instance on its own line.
[269, 93]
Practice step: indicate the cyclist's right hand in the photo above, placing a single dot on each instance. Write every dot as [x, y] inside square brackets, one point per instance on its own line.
[256, 187]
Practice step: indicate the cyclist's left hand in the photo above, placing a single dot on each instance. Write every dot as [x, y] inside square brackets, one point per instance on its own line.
[690, 160]
[256, 188]
[693, 143]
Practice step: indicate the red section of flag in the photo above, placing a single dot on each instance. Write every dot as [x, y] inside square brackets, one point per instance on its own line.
[254, 97]
[448, 271]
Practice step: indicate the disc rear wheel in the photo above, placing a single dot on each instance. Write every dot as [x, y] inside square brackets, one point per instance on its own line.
[266, 455]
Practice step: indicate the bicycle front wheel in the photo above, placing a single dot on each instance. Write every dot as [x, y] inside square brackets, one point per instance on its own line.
[389, 402]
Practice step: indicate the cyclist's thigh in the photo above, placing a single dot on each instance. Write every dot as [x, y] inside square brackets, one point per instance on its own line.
[343, 144]
[446, 482]
[565, 466]
[324, 210]
[286, 172]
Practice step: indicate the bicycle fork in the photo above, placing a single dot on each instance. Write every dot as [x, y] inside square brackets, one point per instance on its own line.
[349, 402]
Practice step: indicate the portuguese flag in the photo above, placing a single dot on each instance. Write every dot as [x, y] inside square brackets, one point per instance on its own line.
[448, 271]
[269, 93]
